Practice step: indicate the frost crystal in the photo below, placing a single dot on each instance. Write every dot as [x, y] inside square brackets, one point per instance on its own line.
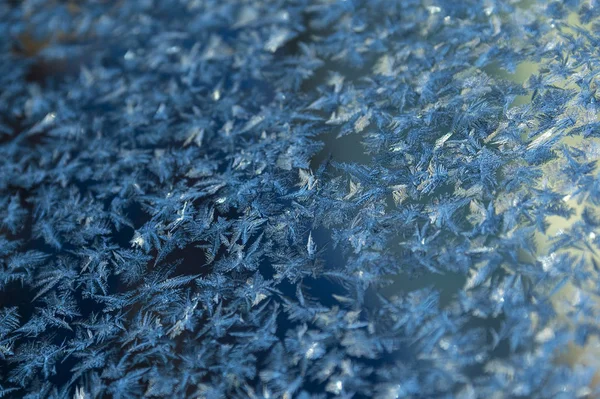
[299, 199]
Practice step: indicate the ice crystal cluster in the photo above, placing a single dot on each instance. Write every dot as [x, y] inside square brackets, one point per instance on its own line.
[299, 199]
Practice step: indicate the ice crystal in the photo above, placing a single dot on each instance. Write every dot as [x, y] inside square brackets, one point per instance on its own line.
[299, 198]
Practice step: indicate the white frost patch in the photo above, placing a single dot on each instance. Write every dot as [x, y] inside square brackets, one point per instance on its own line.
[137, 240]
[311, 247]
